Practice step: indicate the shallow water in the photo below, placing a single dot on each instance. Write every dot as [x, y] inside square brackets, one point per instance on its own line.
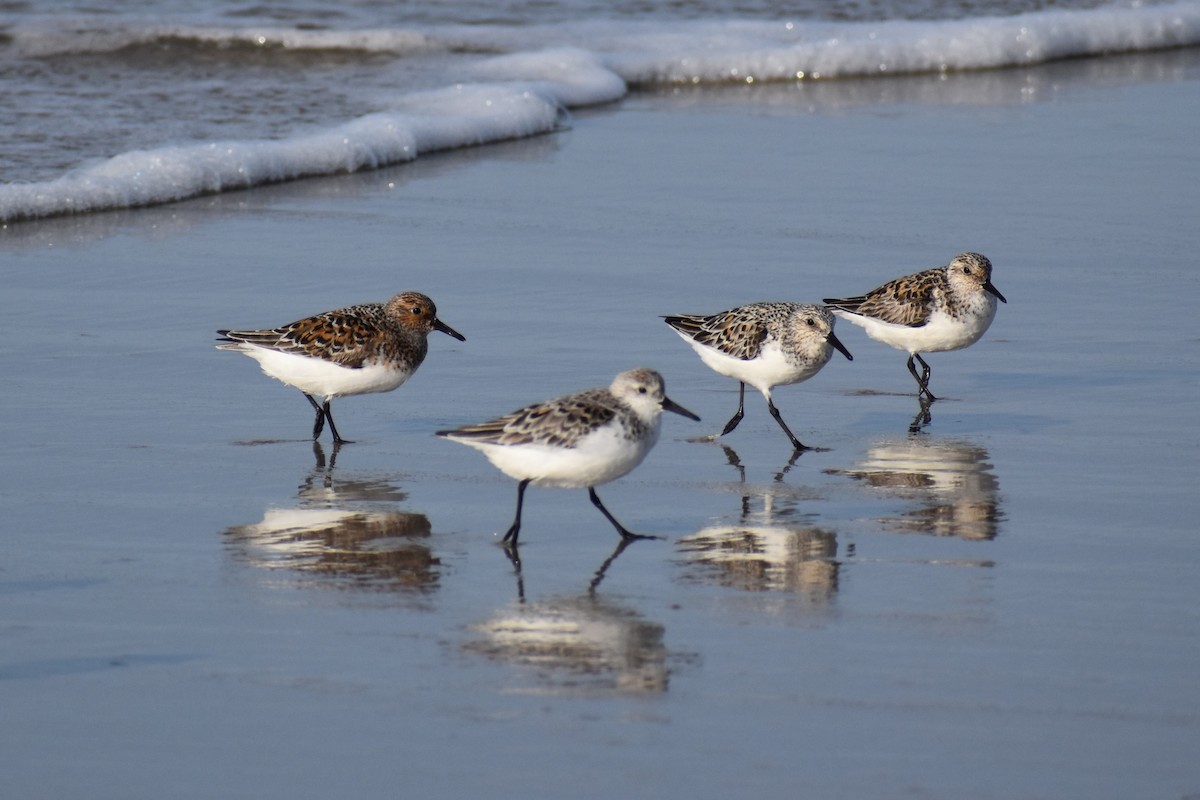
[198, 602]
[163, 101]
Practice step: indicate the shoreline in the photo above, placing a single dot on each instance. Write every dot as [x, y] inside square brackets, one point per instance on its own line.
[171, 174]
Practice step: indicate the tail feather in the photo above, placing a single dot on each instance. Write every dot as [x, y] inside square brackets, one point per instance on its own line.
[689, 324]
[851, 304]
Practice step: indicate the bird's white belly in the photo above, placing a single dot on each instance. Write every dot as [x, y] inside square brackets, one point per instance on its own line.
[770, 368]
[940, 334]
[597, 458]
[322, 378]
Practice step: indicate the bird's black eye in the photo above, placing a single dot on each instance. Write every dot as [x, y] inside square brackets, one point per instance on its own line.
[812, 323]
[417, 310]
[641, 390]
[966, 270]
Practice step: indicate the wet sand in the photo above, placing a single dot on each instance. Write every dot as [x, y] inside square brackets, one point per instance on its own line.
[197, 602]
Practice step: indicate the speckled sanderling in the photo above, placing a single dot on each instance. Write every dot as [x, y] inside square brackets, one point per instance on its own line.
[576, 441]
[374, 347]
[762, 344]
[944, 308]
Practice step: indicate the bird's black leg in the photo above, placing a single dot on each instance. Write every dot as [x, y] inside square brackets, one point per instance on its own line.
[733, 422]
[923, 378]
[319, 423]
[912, 370]
[337, 439]
[778, 418]
[510, 537]
[621, 529]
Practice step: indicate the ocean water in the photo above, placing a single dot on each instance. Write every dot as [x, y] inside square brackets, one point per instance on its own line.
[141, 105]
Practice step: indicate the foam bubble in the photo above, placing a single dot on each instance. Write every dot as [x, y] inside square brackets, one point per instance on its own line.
[574, 77]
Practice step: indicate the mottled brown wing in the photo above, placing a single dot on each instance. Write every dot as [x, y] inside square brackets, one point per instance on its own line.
[346, 336]
[904, 301]
[559, 423]
[732, 334]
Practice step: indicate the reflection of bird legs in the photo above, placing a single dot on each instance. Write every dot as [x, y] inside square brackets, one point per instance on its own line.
[922, 379]
[514, 557]
[319, 454]
[735, 461]
[599, 576]
[322, 469]
[788, 466]
[923, 416]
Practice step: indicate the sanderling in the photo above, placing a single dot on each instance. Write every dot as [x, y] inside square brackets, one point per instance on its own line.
[944, 308]
[576, 441]
[762, 344]
[368, 348]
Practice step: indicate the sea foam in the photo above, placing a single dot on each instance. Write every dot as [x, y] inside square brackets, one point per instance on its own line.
[460, 116]
[756, 52]
[541, 70]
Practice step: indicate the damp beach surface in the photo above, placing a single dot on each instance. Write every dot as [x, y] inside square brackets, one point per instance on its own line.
[196, 601]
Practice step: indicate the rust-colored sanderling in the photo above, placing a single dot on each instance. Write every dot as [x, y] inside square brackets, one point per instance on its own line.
[374, 347]
[576, 441]
[762, 344]
[938, 309]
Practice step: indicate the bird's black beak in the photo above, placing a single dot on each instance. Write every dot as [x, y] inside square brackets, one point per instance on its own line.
[989, 288]
[670, 405]
[836, 342]
[446, 329]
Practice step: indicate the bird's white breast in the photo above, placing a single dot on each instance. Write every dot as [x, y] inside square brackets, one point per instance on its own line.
[323, 378]
[601, 456]
[941, 333]
[770, 368]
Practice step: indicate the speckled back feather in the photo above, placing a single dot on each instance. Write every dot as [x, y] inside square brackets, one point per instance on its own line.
[912, 299]
[560, 422]
[355, 336]
[904, 301]
[732, 332]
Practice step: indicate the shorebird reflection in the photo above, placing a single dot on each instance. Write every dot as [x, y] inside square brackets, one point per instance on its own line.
[951, 483]
[338, 535]
[584, 644]
[769, 548]
[576, 644]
